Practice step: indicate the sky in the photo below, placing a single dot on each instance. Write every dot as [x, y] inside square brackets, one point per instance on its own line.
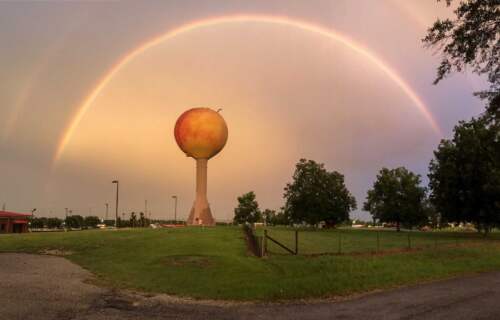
[90, 92]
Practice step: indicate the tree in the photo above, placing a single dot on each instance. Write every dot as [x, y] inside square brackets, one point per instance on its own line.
[142, 220]
[37, 223]
[317, 195]
[133, 219]
[465, 174]
[397, 197]
[471, 39]
[248, 209]
[74, 221]
[54, 223]
[92, 221]
[269, 216]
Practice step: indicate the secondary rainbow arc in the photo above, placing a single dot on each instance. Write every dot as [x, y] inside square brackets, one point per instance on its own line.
[279, 20]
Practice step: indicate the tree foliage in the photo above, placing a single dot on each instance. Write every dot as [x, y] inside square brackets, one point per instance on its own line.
[91, 221]
[317, 195]
[247, 210]
[397, 197]
[74, 221]
[465, 174]
[54, 223]
[269, 216]
[471, 39]
[133, 219]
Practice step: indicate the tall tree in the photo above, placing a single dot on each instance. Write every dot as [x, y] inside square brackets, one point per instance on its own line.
[269, 216]
[316, 195]
[397, 197]
[74, 221]
[92, 221]
[465, 174]
[133, 220]
[142, 219]
[247, 209]
[471, 39]
[54, 223]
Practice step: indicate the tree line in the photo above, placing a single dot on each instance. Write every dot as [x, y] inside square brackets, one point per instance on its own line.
[84, 222]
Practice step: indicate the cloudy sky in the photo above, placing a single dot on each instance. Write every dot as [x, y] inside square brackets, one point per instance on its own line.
[90, 92]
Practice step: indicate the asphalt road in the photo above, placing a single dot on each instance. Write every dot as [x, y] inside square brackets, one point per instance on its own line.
[46, 287]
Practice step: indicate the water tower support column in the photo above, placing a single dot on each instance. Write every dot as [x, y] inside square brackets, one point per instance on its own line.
[200, 213]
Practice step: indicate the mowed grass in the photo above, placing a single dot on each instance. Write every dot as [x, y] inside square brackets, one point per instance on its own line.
[212, 263]
[311, 241]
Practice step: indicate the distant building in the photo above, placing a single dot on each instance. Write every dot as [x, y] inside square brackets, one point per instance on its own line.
[11, 222]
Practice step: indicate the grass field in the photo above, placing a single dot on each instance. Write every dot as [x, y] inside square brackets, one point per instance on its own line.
[213, 262]
[362, 241]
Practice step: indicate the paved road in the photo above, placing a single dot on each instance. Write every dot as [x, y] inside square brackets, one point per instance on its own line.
[48, 287]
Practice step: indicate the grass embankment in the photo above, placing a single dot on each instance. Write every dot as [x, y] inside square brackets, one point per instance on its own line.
[213, 263]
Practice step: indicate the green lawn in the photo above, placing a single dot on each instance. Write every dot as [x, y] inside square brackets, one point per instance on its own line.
[213, 263]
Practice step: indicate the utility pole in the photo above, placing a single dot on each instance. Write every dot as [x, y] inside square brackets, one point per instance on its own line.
[116, 209]
[107, 209]
[146, 208]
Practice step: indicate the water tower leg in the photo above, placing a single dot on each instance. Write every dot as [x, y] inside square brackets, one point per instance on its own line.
[200, 213]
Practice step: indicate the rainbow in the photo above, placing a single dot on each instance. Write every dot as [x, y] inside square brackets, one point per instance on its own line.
[276, 20]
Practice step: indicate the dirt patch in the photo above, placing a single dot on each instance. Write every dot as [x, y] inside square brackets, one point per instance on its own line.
[189, 261]
[56, 252]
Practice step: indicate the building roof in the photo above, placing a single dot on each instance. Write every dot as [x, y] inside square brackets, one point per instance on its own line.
[7, 214]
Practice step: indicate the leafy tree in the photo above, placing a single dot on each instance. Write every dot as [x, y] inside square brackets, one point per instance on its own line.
[434, 218]
[281, 218]
[92, 221]
[397, 197]
[54, 223]
[133, 220]
[470, 39]
[248, 209]
[74, 221]
[142, 220]
[269, 216]
[38, 222]
[317, 195]
[465, 174]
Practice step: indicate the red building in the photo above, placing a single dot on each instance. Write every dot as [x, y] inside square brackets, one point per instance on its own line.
[11, 222]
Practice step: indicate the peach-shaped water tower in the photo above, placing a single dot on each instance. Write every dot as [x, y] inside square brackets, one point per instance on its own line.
[201, 133]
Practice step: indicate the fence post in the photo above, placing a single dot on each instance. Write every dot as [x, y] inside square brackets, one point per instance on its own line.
[265, 242]
[409, 241]
[296, 242]
[340, 242]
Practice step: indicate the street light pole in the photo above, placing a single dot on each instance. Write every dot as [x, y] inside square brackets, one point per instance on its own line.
[116, 209]
[175, 209]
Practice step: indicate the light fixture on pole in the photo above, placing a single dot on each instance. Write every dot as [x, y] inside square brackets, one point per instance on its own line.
[116, 208]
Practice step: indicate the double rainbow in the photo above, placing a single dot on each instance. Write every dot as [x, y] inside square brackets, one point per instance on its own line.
[205, 23]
